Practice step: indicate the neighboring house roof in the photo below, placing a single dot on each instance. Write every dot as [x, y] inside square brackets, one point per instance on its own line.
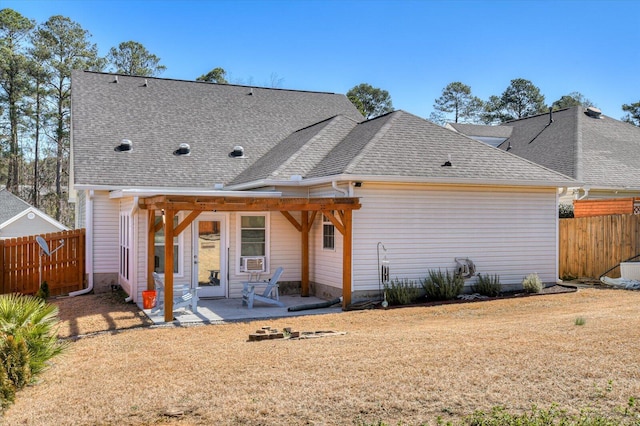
[284, 133]
[481, 130]
[492, 135]
[158, 115]
[598, 151]
[13, 208]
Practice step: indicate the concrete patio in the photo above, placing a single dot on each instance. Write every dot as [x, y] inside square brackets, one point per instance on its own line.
[211, 311]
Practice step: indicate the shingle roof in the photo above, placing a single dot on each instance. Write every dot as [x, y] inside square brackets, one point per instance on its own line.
[11, 205]
[283, 133]
[402, 144]
[601, 152]
[157, 115]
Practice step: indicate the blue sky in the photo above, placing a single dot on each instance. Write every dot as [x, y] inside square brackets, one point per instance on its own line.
[412, 49]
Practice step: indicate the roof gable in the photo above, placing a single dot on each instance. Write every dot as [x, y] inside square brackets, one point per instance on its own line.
[11, 205]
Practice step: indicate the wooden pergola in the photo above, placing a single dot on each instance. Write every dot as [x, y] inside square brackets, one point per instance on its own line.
[338, 210]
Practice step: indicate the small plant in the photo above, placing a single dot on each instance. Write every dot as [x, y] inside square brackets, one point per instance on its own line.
[487, 285]
[442, 286]
[402, 292]
[27, 341]
[565, 211]
[43, 292]
[580, 321]
[532, 283]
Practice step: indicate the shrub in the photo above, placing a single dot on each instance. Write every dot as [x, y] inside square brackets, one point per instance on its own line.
[442, 286]
[487, 285]
[43, 291]
[532, 284]
[402, 292]
[28, 341]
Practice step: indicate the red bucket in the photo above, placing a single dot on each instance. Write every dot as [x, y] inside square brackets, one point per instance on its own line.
[148, 299]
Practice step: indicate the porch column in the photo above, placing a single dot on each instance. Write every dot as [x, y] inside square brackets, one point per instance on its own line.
[168, 265]
[304, 217]
[346, 258]
[151, 234]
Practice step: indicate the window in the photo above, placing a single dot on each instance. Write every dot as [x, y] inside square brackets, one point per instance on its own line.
[159, 248]
[253, 238]
[328, 234]
[124, 246]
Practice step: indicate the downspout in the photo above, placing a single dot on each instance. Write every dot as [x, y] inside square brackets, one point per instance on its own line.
[558, 195]
[334, 185]
[586, 192]
[88, 245]
[134, 243]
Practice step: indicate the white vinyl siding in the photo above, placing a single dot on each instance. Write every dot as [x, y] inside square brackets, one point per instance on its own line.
[506, 231]
[105, 233]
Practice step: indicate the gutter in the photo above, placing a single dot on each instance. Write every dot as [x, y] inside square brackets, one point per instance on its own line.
[401, 179]
[88, 247]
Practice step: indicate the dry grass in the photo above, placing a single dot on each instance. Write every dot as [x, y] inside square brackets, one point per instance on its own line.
[406, 365]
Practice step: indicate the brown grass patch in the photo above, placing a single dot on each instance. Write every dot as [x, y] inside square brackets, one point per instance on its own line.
[404, 365]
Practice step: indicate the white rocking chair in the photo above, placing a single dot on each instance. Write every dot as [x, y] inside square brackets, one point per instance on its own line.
[270, 295]
[183, 296]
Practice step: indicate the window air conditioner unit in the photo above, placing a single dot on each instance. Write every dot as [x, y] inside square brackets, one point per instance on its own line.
[252, 264]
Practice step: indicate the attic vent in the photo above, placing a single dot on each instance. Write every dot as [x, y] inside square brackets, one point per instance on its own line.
[125, 146]
[593, 112]
[238, 152]
[115, 80]
[184, 149]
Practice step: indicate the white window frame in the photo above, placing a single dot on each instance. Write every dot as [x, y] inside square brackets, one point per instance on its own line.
[180, 255]
[124, 253]
[327, 222]
[267, 238]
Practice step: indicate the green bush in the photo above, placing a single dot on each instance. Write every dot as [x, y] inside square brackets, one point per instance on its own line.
[27, 341]
[442, 286]
[565, 211]
[532, 283]
[402, 292]
[487, 285]
[43, 291]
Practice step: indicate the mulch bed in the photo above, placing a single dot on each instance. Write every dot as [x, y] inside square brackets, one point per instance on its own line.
[554, 289]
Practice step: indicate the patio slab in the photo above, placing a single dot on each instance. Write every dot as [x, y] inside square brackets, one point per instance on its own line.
[212, 311]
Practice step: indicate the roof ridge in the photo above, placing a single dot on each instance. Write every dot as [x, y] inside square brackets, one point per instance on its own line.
[393, 117]
[181, 80]
[330, 123]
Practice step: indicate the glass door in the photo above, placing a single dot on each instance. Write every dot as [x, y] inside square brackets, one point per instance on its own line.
[209, 255]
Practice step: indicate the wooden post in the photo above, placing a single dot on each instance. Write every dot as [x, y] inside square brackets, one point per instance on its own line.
[151, 217]
[346, 258]
[305, 253]
[168, 265]
[4, 268]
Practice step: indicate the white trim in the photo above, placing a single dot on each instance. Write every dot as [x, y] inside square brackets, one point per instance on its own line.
[402, 179]
[151, 192]
[38, 213]
[267, 242]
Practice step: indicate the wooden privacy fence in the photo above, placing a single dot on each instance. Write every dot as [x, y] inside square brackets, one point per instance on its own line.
[23, 261]
[589, 246]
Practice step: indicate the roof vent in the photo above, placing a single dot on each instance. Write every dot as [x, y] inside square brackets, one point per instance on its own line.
[115, 80]
[184, 149]
[593, 112]
[125, 146]
[238, 152]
